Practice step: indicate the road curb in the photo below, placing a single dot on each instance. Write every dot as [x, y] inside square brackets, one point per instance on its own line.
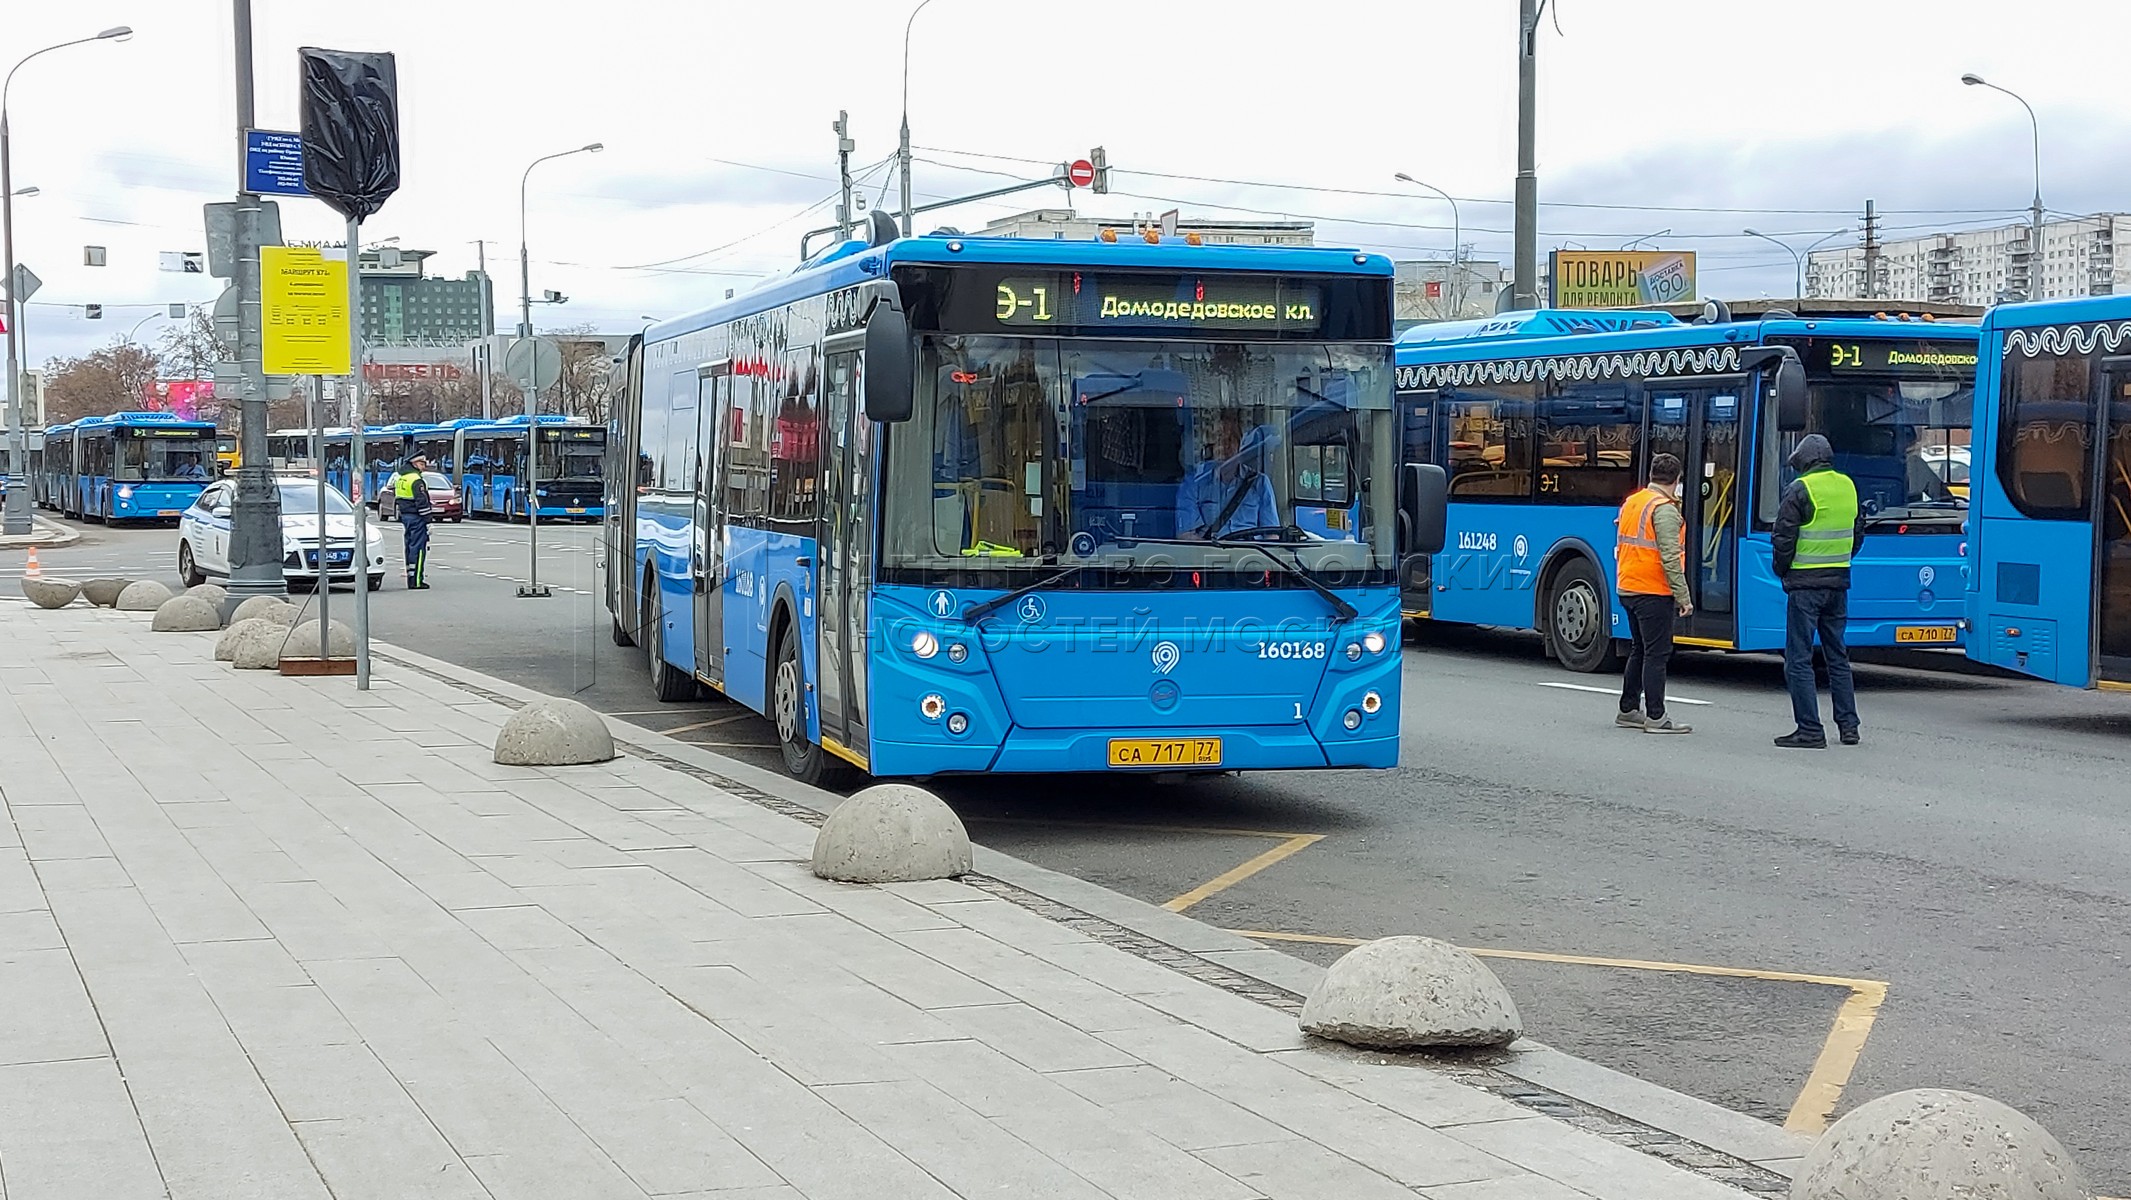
[1734, 1135]
[54, 537]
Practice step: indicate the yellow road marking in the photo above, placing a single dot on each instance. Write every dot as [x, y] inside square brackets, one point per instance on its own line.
[1295, 844]
[1815, 1105]
[1844, 1045]
[2111, 685]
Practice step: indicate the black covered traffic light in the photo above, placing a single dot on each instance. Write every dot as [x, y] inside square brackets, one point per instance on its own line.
[94, 312]
[1101, 162]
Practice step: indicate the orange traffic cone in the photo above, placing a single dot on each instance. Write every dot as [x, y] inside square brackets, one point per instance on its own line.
[33, 571]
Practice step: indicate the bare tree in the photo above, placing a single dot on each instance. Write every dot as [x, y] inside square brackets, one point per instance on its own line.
[581, 391]
[119, 377]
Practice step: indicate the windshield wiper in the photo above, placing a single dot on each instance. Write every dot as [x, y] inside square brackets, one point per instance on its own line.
[974, 611]
[1346, 611]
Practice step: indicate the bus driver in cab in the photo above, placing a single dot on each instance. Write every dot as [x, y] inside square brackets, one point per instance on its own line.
[1228, 490]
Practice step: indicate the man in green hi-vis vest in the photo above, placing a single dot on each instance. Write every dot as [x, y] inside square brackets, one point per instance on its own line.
[1818, 527]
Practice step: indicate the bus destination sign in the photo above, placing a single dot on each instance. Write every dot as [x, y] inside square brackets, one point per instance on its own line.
[1906, 357]
[1084, 300]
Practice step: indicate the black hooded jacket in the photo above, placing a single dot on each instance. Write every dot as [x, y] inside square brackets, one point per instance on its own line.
[1796, 508]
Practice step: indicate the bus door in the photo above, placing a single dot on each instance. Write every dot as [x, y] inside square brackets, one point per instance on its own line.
[714, 401]
[844, 548]
[1700, 423]
[1416, 445]
[2112, 573]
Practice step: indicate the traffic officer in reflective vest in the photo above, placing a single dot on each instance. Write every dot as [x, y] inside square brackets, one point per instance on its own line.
[1818, 527]
[1651, 569]
[410, 502]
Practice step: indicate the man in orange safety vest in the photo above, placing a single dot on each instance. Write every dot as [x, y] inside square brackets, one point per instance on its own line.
[1651, 576]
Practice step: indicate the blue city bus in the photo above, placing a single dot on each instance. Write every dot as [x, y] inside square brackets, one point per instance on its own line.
[137, 466]
[928, 504]
[1545, 421]
[492, 475]
[2050, 533]
[384, 446]
[55, 468]
[289, 448]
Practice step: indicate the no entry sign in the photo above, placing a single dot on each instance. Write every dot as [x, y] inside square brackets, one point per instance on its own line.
[1080, 172]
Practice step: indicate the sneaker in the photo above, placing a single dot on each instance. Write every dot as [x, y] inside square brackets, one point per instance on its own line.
[1632, 720]
[1849, 737]
[1798, 739]
[1666, 725]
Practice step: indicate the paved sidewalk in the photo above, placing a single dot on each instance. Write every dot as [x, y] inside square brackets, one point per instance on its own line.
[44, 534]
[275, 938]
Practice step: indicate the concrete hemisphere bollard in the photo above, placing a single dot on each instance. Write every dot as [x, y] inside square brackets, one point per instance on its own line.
[213, 593]
[891, 833]
[1938, 1144]
[103, 593]
[1399, 993]
[554, 732]
[258, 647]
[226, 645]
[272, 608]
[186, 614]
[50, 593]
[142, 595]
[303, 643]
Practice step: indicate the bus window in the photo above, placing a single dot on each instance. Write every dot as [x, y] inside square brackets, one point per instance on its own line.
[996, 418]
[2046, 439]
[1587, 442]
[1490, 441]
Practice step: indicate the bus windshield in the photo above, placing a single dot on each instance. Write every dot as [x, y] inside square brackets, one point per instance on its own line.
[571, 460]
[163, 460]
[1143, 453]
[1897, 439]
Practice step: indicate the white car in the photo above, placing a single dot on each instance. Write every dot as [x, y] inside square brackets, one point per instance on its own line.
[203, 535]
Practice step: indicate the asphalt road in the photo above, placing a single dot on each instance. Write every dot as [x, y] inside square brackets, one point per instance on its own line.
[1695, 910]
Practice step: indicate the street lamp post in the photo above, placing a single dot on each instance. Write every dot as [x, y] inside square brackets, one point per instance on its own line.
[531, 490]
[1797, 258]
[137, 325]
[902, 154]
[2034, 287]
[16, 517]
[1457, 237]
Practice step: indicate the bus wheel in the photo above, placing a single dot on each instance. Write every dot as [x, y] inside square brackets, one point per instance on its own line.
[803, 760]
[668, 684]
[1580, 619]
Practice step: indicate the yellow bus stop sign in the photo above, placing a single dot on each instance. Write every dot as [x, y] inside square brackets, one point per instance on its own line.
[304, 311]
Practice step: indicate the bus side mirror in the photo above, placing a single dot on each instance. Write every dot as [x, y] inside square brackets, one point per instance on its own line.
[1423, 490]
[1791, 407]
[887, 372]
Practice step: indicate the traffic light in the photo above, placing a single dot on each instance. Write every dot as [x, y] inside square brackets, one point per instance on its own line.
[94, 312]
[1102, 170]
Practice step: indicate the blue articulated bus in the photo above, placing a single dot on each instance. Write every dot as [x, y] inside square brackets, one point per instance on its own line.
[1546, 420]
[136, 466]
[947, 504]
[384, 446]
[55, 469]
[564, 477]
[2050, 531]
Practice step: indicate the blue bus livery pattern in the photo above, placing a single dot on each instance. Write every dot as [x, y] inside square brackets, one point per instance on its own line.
[1545, 425]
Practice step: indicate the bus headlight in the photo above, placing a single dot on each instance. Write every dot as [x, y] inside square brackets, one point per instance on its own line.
[958, 724]
[1371, 702]
[125, 493]
[1373, 642]
[932, 706]
[924, 645]
[1353, 651]
[1352, 720]
[957, 652]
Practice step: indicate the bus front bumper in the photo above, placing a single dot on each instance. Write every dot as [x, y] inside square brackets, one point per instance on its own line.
[1079, 751]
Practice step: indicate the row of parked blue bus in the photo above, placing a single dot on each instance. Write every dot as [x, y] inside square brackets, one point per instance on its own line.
[124, 467]
[487, 461]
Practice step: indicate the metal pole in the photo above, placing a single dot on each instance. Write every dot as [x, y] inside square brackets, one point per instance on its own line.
[530, 490]
[1525, 281]
[318, 459]
[16, 517]
[902, 156]
[359, 468]
[255, 510]
[488, 335]
[844, 146]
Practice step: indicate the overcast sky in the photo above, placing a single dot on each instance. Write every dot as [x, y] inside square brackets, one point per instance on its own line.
[1698, 116]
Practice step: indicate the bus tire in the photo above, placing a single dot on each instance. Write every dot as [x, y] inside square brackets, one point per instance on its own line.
[620, 632]
[668, 684]
[1579, 618]
[803, 760]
